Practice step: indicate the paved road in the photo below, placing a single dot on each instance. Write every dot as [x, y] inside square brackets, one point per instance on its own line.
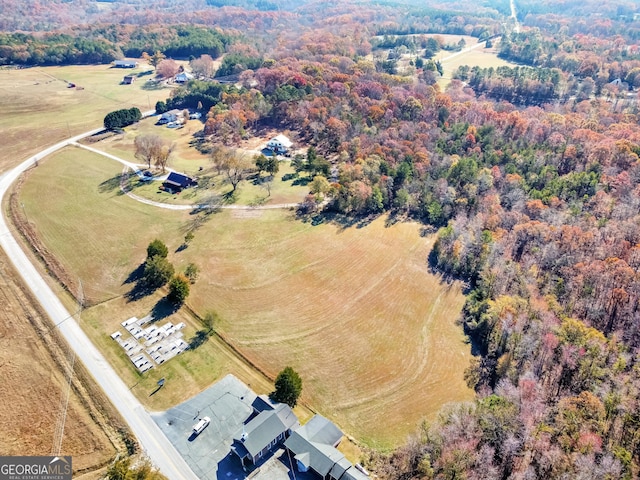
[159, 450]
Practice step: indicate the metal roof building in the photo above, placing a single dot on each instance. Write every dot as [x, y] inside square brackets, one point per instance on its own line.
[314, 447]
[263, 432]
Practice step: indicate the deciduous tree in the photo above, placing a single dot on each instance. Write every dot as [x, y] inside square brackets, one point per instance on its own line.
[167, 68]
[157, 271]
[147, 147]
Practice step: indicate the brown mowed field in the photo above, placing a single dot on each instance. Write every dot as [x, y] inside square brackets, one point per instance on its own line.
[34, 387]
[39, 109]
[353, 308]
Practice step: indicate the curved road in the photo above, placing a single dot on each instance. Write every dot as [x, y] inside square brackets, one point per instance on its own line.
[157, 447]
[173, 206]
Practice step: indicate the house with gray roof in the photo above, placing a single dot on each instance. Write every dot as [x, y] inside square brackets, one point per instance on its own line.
[313, 446]
[262, 432]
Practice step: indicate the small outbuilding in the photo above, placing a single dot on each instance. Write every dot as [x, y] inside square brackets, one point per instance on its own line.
[178, 181]
[125, 64]
[128, 79]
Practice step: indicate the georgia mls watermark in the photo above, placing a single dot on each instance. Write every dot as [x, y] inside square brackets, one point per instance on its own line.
[35, 468]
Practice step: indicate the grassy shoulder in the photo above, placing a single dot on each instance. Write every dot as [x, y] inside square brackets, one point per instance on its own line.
[351, 307]
[35, 387]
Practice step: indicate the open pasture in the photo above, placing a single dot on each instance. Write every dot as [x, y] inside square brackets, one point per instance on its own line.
[353, 308]
[473, 55]
[478, 57]
[39, 109]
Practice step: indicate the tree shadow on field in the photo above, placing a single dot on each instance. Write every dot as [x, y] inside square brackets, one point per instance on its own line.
[152, 85]
[135, 275]
[163, 309]
[111, 184]
[198, 339]
[301, 181]
[447, 276]
[340, 220]
[139, 291]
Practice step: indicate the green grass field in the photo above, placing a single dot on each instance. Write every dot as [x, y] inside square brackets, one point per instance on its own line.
[39, 109]
[353, 308]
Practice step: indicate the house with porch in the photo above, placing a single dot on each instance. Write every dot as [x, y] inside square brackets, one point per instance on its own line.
[178, 181]
[175, 115]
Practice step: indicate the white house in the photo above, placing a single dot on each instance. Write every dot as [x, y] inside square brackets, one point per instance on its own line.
[279, 144]
[183, 77]
[174, 115]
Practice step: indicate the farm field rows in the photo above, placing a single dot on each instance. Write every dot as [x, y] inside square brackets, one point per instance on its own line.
[353, 308]
[34, 387]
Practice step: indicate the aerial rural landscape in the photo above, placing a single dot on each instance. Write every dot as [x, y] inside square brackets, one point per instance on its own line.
[321, 240]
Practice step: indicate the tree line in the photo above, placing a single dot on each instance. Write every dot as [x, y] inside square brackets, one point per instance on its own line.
[103, 44]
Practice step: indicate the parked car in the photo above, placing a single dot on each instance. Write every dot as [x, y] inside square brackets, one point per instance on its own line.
[195, 116]
[201, 425]
[173, 125]
[147, 176]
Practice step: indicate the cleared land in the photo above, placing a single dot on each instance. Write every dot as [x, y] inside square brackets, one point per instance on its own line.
[34, 387]
[477, 57]
[188, 160]
[39, 109]
[353, 308]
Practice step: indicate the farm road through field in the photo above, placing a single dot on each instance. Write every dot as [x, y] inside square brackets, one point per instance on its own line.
[136, 168]
[461, 52]
[160, 451]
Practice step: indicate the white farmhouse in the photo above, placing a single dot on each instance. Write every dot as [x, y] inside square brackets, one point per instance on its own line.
[279, 144]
